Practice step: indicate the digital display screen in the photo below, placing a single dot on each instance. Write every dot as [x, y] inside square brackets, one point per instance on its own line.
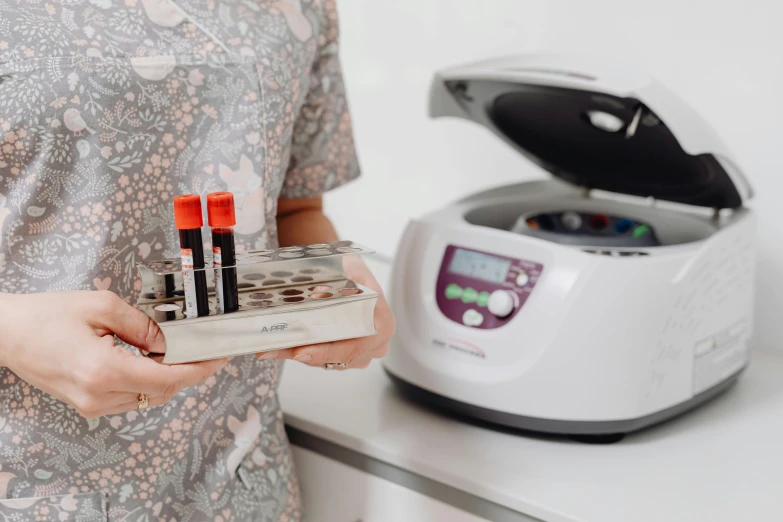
[479, 266]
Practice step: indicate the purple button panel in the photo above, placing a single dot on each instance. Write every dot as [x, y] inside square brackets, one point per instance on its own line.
[468, 277]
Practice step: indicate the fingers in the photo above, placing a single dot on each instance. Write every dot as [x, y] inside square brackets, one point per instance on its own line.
[287, 353]
[359, 364]
[113, 315]
[336, 352]
[355, 353]
[92, 397]
[362, 362]
[143, 375]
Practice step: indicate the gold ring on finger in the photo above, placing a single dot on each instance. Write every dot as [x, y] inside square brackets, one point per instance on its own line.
[144, 401]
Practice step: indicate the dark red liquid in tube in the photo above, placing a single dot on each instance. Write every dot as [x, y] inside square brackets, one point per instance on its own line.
[189, 220]
[222, 218]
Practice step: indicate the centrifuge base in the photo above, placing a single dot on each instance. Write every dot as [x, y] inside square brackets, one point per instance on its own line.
[583, 431]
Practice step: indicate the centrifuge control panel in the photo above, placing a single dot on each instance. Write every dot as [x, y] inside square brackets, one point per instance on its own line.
[483, 290]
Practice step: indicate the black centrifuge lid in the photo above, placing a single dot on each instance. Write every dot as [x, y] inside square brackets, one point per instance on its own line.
[598, 140]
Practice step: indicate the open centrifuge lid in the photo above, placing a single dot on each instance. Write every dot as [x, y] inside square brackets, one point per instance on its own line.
[596, 125]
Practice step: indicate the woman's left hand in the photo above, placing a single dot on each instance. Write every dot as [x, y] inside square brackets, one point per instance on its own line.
[354, 353]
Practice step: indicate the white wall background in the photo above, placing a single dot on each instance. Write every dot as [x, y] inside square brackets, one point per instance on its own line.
[726, 58]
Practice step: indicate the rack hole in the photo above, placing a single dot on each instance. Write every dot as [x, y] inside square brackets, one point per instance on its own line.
[296, 299]
[291, 291]
[350, 291]
[254, 277]
[301, 279]
[321, 296]
[291, 255]
[320, 288]
[260, 296]
[282, 274]
[260, 304]
[271, 282]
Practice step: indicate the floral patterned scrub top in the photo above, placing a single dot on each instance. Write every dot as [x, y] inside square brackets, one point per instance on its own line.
[109, 108]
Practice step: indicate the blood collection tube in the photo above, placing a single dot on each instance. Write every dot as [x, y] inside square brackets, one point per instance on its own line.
[189, 220]
[222, 218]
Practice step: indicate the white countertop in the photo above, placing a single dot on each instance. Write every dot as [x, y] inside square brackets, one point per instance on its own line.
[722, 462]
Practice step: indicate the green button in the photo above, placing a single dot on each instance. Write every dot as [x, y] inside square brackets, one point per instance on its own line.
[469, 295]
[453, 292]
[483, 299]
[640, 230]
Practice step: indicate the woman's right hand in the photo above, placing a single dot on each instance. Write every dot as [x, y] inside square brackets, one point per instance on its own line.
[63, 344]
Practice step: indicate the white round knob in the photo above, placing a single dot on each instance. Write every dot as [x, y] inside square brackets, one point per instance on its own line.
[501, 303]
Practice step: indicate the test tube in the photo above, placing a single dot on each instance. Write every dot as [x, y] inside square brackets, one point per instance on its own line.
[222, 218]
[189, 220]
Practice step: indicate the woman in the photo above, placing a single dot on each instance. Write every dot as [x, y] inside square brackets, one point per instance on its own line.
[109, 108]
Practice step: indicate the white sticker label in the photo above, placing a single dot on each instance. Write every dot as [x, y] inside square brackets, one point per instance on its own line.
[217, 260]
[719, 356]
[188, 282]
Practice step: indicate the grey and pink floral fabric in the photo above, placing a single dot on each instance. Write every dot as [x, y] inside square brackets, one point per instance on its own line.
[109, 108]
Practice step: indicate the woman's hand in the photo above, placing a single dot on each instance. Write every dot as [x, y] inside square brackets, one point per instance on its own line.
[63, 344]
[354, 353]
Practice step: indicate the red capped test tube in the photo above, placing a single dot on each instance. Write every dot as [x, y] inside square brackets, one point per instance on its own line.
[189, 220]
[222, 218]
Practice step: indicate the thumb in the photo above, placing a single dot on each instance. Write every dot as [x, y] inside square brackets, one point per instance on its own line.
[113, 315]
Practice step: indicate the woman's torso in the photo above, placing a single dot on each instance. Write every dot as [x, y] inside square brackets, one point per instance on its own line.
[109, 108]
